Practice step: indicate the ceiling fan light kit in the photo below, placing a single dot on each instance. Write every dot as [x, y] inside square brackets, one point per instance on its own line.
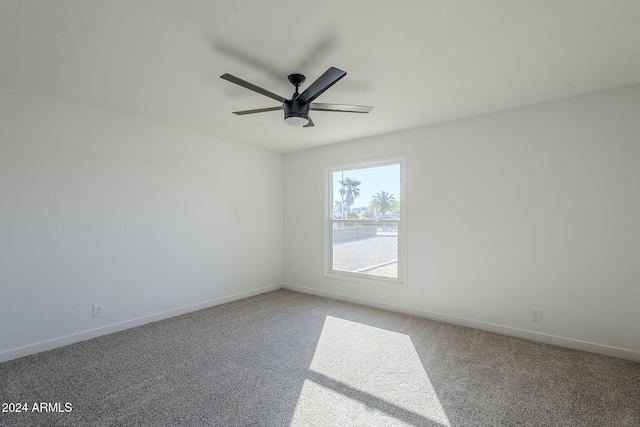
[297, 121]
[296, 109]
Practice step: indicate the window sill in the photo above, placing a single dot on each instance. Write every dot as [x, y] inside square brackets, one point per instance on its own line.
[365, 279]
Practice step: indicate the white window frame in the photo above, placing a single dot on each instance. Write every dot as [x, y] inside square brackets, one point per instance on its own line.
[328, 221]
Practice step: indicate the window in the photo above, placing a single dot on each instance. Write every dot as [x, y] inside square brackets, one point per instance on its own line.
[365, 221]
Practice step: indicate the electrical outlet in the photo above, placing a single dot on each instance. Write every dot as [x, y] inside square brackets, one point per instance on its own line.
[294, 274]
[96, 311]
[536, 314]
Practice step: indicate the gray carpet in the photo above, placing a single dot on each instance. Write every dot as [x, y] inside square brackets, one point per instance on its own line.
[286, 358]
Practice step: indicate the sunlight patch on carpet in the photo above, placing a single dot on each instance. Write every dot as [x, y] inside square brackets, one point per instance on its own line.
[360, 374]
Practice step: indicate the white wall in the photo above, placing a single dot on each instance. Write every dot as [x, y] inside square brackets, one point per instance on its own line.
[535, 207]
[146, 219]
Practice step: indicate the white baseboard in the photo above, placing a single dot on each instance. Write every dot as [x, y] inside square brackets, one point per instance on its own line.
[489, 327]
[116, 327]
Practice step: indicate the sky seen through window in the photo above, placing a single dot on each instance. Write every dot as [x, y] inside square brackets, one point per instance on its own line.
[373, 180]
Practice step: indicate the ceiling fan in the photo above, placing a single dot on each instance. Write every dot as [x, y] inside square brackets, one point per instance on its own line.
[296, 109]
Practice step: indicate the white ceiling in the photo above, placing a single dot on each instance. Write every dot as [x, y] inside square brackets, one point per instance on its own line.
[418, 62]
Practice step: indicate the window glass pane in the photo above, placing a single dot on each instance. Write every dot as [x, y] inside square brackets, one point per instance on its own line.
[365, 220]
[366, 248]
[366, 193]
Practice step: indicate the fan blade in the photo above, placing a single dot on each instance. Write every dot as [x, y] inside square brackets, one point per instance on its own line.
[257, 110]
[324, 82]
[341, 107]
[251, 86]
[310, 124]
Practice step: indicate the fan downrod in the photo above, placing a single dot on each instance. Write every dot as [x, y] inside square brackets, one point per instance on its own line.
[296, 80]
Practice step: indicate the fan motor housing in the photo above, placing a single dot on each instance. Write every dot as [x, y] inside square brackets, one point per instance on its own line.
[296, 109]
